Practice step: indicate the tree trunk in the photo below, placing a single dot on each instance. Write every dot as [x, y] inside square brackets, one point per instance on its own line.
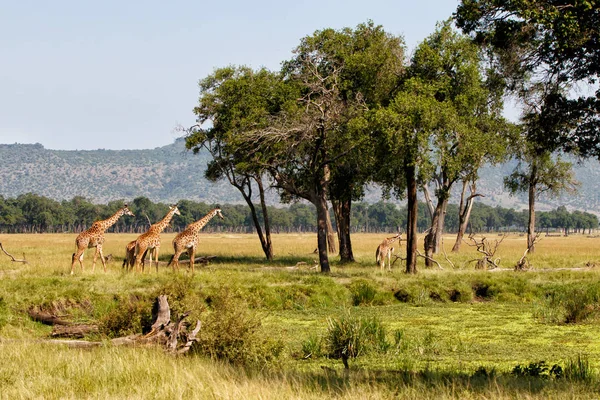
[342, 210]
[265, 244]
[320, 203]
[330, 233]
[433, 239]
[411, 224]
[531, 223]
[464, 213]
[268, 244]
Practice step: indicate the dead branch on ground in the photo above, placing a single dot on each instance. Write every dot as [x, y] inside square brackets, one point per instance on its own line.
[24, 261]
[488, 249]
[523, 263]
[174, 337]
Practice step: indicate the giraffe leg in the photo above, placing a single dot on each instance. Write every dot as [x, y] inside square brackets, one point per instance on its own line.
[192, 254]
[156, 257]
[140, 254]
[77, 256]
[175, 259]
[101, 256]
[95, 258]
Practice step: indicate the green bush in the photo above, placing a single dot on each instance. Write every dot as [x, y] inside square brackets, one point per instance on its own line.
[568, 305]
[312, 347]
[362, 292]
[232, 332]
[349, 337]
[578, 369]
[130, 315]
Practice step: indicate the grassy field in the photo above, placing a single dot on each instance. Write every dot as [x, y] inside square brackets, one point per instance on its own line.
[454, 332]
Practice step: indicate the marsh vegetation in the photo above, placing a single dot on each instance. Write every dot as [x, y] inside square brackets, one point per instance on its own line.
[282, 329]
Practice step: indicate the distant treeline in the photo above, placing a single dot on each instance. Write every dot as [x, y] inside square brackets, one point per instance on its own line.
[33, 213]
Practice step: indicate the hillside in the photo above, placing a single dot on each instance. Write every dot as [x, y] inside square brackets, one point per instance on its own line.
[170, 173]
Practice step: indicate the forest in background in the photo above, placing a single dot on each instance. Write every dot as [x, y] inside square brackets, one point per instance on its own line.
[34, 213]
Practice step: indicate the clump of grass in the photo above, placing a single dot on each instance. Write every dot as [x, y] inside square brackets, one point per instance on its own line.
[132, 314]
[362, 292]
[232, 332]
[578, 370]
[349, 337]
[312, 347]
[568, 305]
[4, 312]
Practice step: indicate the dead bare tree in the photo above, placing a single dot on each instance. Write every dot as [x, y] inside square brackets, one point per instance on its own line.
[24, 261]
[488, 249]
[523, 263]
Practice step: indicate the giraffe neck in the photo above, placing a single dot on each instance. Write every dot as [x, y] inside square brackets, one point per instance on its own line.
[107, 223]
[163, 223]
[196, 226]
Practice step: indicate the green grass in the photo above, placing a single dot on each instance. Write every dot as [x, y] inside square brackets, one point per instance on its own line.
[451, 333]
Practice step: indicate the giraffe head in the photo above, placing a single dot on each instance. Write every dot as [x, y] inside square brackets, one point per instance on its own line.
[174, 209]
[218, 212]
[126, 211]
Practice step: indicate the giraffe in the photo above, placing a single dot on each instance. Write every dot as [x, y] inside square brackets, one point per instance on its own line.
[188, 239]
[94, 237]
[129, 259]
[151, 239]
[385, 250]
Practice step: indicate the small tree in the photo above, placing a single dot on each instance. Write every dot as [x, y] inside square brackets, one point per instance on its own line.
[538, 173]
[349, 337]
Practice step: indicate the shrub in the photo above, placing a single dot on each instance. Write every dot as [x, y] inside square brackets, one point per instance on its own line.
[349, 337]
[232, 332]
[578, 370]
[538, 370]
[131, 315]
[362, 292]
[567, 305]
[312, 347]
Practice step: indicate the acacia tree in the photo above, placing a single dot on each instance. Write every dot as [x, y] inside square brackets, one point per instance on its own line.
[552, 44]
[538, 172]
[371, 63]
[296, 147]
[402, 130]
[472, 128]
[234, 100]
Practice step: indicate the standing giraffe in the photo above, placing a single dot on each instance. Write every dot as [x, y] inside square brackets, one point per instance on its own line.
[385, 250]
[188, 239]
[151, 239]
[129, 259]
[94, 237]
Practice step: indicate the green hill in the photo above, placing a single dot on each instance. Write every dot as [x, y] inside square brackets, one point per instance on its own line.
[171, 173]
[165, 174]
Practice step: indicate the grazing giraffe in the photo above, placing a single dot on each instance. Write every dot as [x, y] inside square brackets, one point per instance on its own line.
[151, 239]
[188, 239]
[385, 250]
[129, 259]
[94, 237]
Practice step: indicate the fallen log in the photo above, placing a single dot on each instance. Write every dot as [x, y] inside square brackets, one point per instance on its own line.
[46, 318]
[24, 261]
[172, 336]
[73, 331]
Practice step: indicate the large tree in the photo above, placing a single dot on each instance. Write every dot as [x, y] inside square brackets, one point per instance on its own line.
[472, 128]
[371, 63]
[555, 44]
[402, 131]
[234, 100]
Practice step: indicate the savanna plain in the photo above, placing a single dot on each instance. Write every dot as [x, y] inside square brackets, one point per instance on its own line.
[276, 330]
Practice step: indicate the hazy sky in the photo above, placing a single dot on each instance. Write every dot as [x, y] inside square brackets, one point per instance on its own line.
[124, 74]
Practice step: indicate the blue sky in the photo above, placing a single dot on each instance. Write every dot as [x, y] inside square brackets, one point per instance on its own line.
[124, 74]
